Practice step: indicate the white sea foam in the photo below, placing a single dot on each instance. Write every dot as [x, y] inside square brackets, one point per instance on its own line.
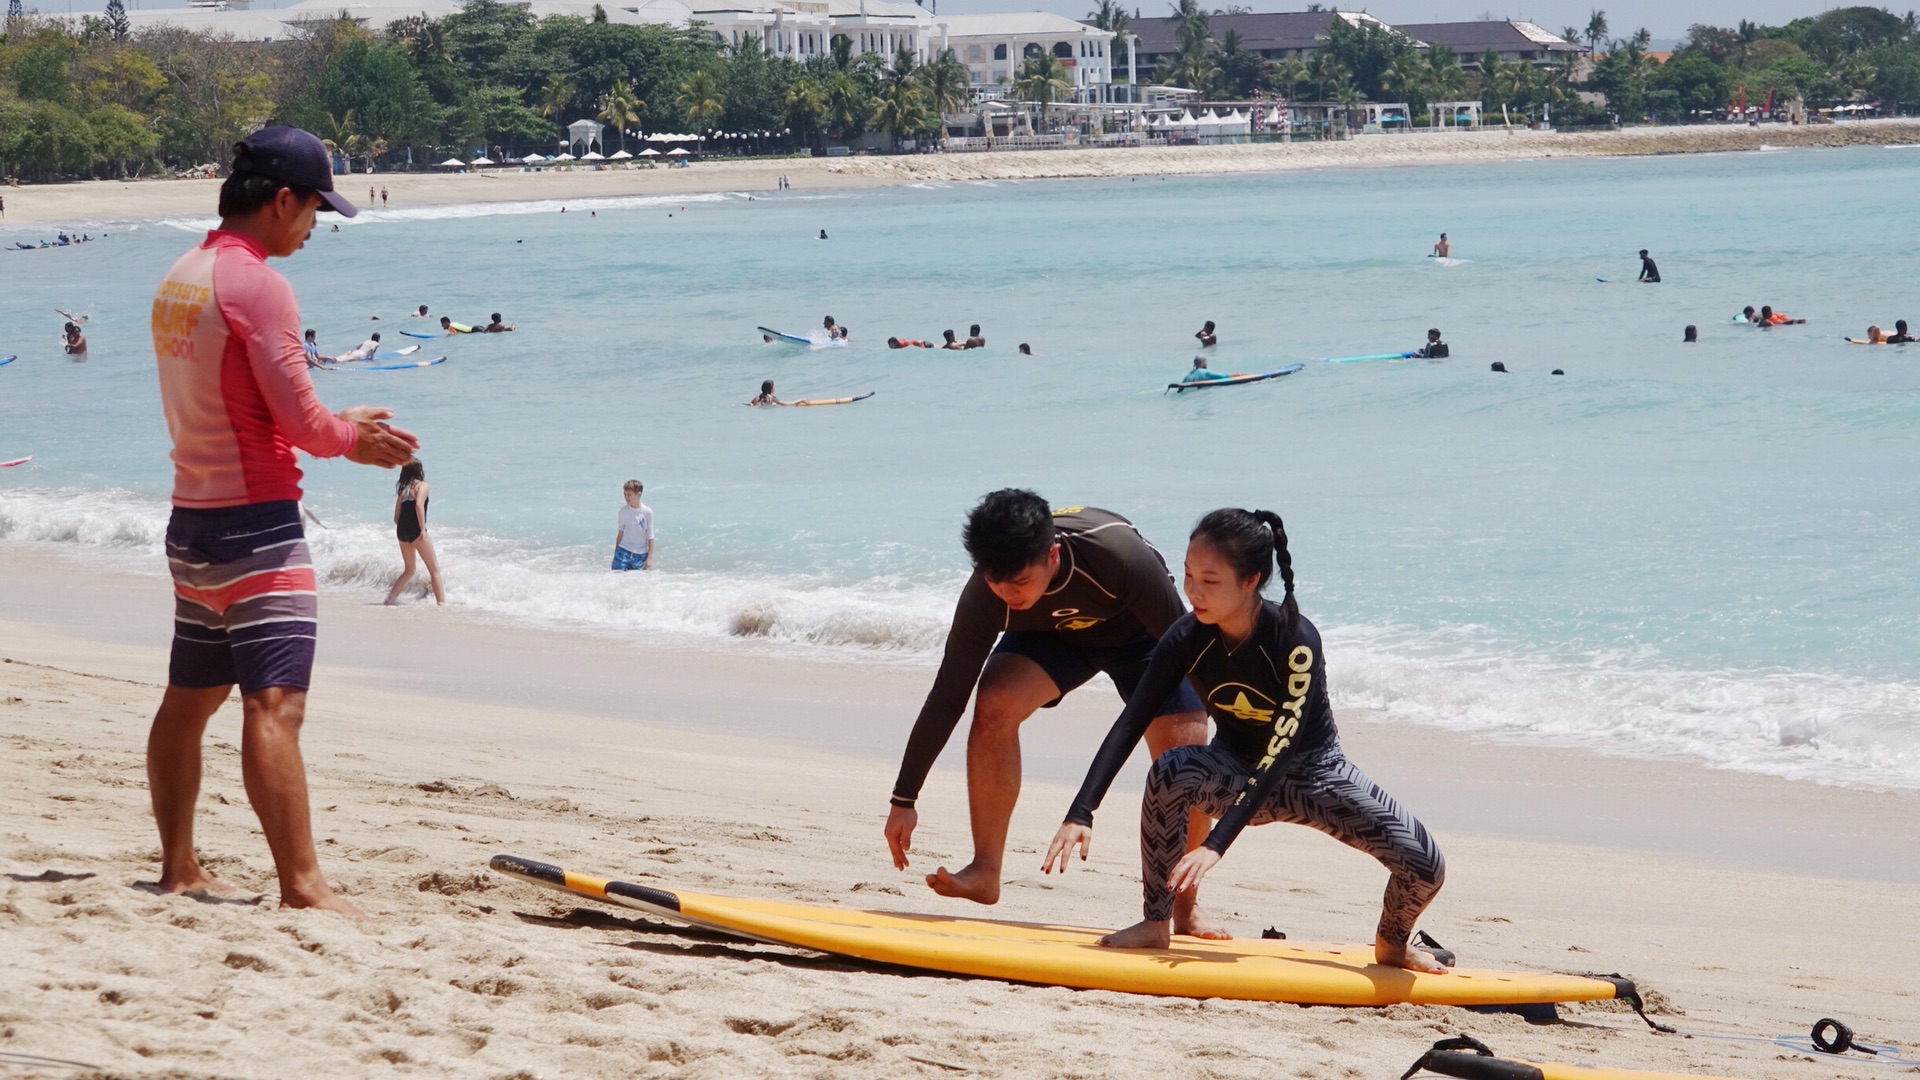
[1802, 726]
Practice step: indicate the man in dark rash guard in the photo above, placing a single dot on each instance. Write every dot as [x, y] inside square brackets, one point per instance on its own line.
[1276, 755]
[1067, 593]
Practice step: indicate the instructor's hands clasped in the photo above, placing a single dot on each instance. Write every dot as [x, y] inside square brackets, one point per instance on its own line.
[379, 443]
[1069, 836]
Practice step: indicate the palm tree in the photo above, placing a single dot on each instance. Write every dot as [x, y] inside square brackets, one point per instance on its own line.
[901, 71]
[1043, 78]
[338, 134]
[1110, 16]
[806, 103]
[556, 96]
[1194, 30]
[621, 107]
[900, 109]
[1447, 79]
[1290, 73]
[1596, 30]
[946, 84]
[846, 103]
[1411, 78]
[701, 101]
[1326, 72]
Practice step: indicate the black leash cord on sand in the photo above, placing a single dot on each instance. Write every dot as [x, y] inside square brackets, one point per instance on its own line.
[1467, 1057]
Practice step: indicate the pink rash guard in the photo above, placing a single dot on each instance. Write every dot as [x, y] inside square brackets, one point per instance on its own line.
[233, 378]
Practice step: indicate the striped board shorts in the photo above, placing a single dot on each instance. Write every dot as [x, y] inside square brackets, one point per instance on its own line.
[246, 604]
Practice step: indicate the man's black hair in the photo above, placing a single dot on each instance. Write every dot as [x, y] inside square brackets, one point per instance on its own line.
[245, 192]
[1008, 531]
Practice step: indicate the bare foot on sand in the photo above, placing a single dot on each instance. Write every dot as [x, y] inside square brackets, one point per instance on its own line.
[1406, 956]
[322, 898]
[198, 880]
[1147, 934]
[974, 882]
[1190, 919]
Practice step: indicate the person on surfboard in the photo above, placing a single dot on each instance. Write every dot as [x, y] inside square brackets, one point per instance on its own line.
[1276, 754]
[1649, 273]
[1201, 373]
[1056, 596]
[1899, 335]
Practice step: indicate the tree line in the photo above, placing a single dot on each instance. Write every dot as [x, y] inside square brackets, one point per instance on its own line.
[102, 99]
[98, 98]
[1842, 55]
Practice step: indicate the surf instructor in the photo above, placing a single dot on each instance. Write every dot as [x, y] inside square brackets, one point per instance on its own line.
[238, 400]
[1056, 597]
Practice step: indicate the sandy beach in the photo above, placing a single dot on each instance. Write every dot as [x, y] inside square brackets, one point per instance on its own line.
[1747, 906]
[113, 200]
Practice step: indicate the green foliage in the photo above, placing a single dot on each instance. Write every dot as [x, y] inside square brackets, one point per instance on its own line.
[1366, 51]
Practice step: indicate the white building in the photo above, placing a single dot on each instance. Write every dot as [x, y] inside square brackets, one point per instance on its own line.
[802, 28]
[994, 46]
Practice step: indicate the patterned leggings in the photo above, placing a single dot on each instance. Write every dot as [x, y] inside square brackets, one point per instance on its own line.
[1324, 790]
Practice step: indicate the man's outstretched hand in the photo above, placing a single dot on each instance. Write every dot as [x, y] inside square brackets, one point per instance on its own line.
[378, 444]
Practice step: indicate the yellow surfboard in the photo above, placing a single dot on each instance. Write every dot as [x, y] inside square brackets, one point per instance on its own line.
[1304, 973]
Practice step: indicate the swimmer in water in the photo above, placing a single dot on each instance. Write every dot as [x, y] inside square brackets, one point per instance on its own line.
[1026, 349]
[1281, 761]
[1772, 318]
[1876, 336]
[1435, 349]
[949, 341]
[1649, 273]
[1691, 336]
[496, 326]
[75, 343]
[765, 397]
[908, 343]
[1443, 249]
[422, 313]
[823, 234]
[1899, 335]
[1206, 335]
[1747, 315]
[77, 320]
[974, 340]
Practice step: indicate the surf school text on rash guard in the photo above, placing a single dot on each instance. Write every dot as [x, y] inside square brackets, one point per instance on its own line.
[1267, 698]
[233, 378]
[1111, 587]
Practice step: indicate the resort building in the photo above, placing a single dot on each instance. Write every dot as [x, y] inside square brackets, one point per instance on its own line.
[1274, 35]
[1512, 39]
[993, 48]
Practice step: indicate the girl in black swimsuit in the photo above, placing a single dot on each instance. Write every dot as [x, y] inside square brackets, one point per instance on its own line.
[1275, 756]
[410, 527]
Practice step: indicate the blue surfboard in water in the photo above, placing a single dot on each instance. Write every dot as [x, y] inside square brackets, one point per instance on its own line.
[1237, 379]
[1408, 355]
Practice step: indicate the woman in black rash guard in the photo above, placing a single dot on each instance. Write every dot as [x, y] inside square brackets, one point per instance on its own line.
[1275, 755]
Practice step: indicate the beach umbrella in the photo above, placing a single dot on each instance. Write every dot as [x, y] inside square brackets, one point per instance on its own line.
[481, 161]
[677, 151]
[453, 163]
[649, 152]
[593, 155]
[619, 155]
[566, 157]
[533, 159]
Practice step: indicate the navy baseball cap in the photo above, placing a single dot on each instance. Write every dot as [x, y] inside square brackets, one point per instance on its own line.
[291, 156]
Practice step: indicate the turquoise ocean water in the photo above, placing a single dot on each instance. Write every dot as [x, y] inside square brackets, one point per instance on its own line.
[1706, 551]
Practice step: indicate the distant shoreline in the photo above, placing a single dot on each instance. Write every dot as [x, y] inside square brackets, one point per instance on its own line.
[110, 200]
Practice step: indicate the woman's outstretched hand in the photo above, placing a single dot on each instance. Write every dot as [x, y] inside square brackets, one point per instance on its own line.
[1191, 868]
[1069, 837]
